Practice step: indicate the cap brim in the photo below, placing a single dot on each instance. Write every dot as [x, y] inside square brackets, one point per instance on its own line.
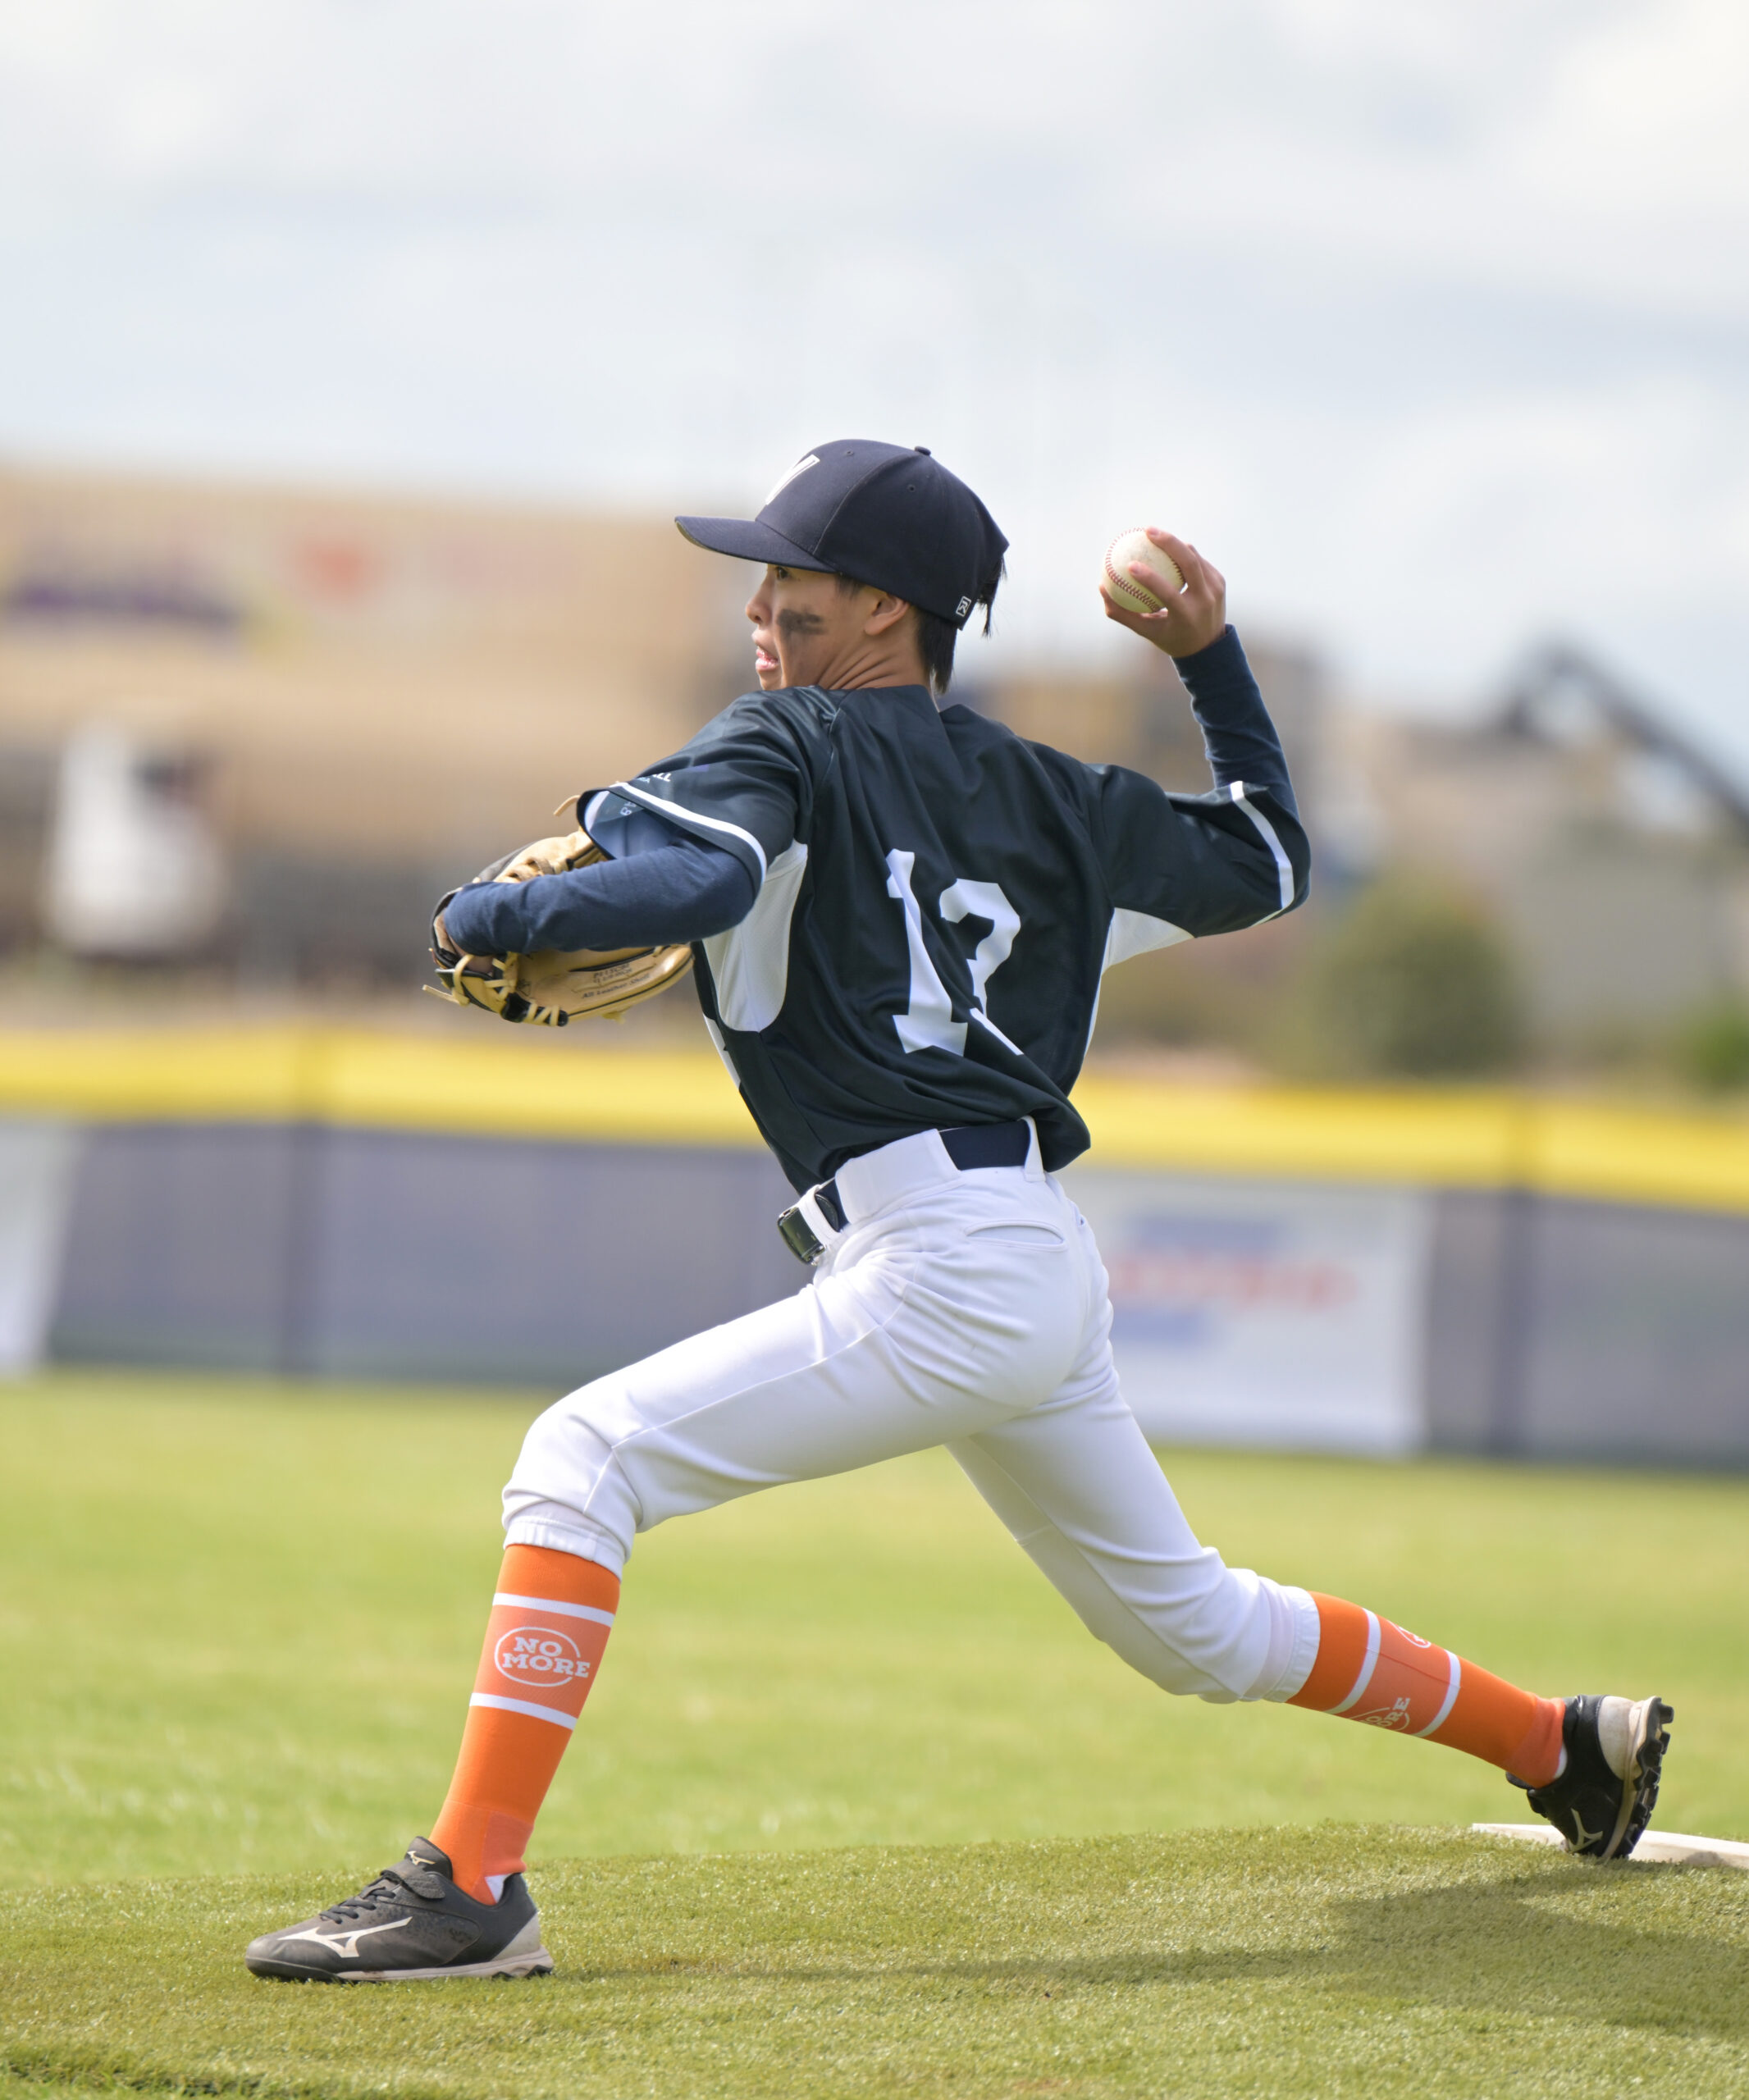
[748, 540]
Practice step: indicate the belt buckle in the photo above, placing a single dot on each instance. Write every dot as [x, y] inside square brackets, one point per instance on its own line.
[799, 1236]
[819, 1210]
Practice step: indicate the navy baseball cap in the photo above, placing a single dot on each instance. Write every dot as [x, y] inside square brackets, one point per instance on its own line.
[891, 515]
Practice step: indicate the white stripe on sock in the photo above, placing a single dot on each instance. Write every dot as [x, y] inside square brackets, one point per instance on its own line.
[1451, 1695]
[554, 1604]
[522, 1706]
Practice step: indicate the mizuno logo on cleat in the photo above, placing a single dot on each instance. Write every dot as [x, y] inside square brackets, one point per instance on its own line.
[1586, 1837]
[346, 1944]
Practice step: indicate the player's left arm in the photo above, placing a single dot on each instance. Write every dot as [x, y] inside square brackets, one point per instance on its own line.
[665, 887]
[689, 841]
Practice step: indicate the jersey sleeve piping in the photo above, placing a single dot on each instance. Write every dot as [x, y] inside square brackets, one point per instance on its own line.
[679, 810]
[1271, 839]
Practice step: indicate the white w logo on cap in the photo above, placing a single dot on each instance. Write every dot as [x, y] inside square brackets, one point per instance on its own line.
[801, 466]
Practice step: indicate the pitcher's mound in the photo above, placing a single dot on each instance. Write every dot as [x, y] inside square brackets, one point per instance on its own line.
[1666, 1846]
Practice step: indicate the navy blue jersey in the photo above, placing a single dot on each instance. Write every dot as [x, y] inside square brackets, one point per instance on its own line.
[937, 902]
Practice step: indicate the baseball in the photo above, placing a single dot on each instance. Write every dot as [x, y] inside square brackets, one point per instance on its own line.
[1135, 545]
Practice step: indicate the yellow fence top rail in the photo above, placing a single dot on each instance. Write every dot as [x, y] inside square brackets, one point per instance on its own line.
[518, 1086]
[504, 1085]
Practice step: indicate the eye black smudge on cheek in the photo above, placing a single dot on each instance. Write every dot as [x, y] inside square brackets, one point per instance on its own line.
[790, 623]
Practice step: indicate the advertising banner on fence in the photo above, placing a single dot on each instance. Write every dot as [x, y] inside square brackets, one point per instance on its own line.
[37, 1164]
[1264, 1312]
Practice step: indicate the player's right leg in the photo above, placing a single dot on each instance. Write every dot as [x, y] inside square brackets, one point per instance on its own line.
[954, 1302]
[1077, 1486]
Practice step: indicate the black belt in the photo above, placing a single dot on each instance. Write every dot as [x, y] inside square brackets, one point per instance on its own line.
[970, 1146]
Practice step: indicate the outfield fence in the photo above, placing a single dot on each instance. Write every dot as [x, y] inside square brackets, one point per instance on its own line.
[1378, 1271]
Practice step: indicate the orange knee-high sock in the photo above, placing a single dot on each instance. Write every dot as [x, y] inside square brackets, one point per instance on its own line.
[543, 1643]
[1367, 1669]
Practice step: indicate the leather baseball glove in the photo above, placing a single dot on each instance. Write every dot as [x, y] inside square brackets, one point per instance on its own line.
[550, 988]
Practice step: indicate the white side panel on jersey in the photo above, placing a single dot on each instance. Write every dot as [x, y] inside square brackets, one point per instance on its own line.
[750, 963]
[1131, 933]
[1136, 932]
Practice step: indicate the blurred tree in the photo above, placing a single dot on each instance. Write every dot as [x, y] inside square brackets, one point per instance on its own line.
[1412, 981]
[1713, 1047]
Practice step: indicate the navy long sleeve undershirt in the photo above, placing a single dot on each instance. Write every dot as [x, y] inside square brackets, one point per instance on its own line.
[670, 888]
[1238, 735]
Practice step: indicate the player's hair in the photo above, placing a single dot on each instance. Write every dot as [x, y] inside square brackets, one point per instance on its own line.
[936, 635]
[935, 638]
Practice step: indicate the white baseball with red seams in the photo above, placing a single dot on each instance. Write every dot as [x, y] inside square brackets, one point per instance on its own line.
[1135, 545]
[963, 1308]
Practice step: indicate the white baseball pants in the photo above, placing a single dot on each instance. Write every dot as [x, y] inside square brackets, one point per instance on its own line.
[968, 1309]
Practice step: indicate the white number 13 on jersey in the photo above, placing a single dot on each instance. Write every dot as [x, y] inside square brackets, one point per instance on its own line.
[928, 1023]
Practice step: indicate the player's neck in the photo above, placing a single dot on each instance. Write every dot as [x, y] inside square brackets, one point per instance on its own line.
[868, 661]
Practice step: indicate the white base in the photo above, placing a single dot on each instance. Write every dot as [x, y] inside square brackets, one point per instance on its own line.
[1667, 1847]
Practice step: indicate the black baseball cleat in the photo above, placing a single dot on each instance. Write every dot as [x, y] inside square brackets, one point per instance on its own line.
[1604, 1799]
[411, 1924]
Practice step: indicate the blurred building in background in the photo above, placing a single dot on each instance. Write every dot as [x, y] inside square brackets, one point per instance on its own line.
[133, 868]
[1612, 852]
[266, 729]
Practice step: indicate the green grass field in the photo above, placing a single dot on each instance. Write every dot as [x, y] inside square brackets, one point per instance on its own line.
[857, 1807]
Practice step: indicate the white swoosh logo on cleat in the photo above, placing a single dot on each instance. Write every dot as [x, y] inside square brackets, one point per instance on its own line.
[346, 1944]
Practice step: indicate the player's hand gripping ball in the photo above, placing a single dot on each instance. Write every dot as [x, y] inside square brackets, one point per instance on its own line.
[1130, 591]
[1160, 588]
[551, 987]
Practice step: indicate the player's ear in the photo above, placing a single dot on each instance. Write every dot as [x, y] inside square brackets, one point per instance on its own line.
[885, 614]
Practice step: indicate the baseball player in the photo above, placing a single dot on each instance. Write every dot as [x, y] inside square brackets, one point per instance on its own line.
[900, 912]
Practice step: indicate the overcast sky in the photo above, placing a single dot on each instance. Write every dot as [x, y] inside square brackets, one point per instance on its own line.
[1429, 323]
